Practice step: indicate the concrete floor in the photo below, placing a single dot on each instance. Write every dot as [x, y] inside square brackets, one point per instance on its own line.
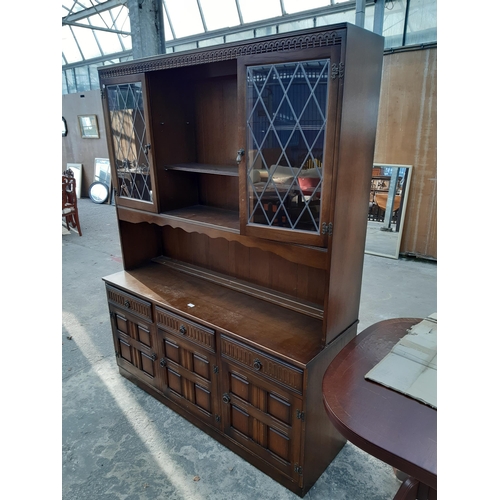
[119, 443]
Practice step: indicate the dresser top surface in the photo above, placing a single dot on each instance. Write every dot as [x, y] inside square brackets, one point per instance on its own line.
[280, 331]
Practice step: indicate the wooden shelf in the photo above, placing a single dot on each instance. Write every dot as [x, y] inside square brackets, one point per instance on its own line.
[202, 168]
[203, 217]
[207, 216]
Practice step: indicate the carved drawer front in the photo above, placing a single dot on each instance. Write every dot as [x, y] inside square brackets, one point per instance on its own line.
[131, 303]
[177, 325]
[263, 364]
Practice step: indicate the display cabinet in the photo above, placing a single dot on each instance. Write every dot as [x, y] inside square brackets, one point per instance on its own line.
[241, 174]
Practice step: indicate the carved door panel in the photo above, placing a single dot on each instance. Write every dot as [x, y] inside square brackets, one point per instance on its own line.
[134, 345]
[263, 418]
[188, 369]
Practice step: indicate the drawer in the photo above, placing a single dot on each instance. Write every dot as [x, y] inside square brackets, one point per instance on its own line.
[130, 303]
[184, 328]
[264, 364]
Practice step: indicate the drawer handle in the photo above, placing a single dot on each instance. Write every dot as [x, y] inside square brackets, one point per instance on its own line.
[183, 330]
[154, 357]
[226, 398]
[257, 364]
[163, 362]
[127, 304]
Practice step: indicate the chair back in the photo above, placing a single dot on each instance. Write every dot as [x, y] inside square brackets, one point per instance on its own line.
[68, 189]
[69, 208]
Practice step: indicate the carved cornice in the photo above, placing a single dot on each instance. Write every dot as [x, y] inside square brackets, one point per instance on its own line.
[227, 52]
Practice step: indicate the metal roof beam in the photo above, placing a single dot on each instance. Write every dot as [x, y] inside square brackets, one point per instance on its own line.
[99, 28]
[97, 60]
[91, 11]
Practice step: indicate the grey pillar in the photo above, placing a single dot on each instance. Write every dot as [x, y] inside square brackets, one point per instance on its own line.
[146, 25]
[378, 19]
[360, 13]
[390, 200]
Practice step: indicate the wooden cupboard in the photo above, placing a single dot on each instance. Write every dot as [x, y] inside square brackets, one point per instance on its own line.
[241, 174]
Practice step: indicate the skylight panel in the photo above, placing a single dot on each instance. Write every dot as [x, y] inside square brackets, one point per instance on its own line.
[70, 48]
[109, 42]
[292, 6]
[86, 41]
[121, 18]
[220, 14]
[256, 10]
[185, 17]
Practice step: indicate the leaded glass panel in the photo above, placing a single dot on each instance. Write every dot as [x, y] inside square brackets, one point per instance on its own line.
[130, 144]
[286, 122]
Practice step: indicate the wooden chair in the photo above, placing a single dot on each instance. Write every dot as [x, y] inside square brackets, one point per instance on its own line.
[69, 201]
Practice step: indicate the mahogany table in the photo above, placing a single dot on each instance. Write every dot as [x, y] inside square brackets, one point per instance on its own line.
[388, 425]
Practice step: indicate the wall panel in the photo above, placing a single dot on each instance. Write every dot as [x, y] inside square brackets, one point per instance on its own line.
[407, 134]
[75, 149]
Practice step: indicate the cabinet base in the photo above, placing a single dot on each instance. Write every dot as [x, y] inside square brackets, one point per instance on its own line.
[229, 443]
[221, 438]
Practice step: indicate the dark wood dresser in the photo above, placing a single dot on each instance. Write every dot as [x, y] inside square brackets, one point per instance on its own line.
[241, 175]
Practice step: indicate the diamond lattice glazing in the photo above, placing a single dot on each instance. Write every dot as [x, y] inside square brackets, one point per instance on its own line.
[128, 128]
[286, 122]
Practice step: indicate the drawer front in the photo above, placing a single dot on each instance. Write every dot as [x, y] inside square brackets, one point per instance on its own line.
[182, 327]
[264, 364]
[130, 303]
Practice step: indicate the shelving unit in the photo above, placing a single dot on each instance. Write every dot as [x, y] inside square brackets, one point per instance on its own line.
[241, 280]
[205, 169]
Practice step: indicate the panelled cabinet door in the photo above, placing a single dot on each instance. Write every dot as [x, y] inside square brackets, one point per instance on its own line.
[188, 370]
[262, 418]
[134, 345]
[129, 143]
[289, 108]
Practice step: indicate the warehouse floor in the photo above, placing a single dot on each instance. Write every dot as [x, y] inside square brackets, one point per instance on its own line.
[120, 443]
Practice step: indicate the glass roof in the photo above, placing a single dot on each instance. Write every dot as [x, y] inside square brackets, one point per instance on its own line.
[98, 32]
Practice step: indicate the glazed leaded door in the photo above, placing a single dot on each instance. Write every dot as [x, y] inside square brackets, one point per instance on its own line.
[129, 143]
[289, 148]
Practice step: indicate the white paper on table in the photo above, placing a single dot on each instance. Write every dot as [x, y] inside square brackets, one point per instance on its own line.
[411, 366]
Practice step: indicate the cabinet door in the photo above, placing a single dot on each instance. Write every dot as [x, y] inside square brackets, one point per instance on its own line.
[263, 418]
[189, 374]
[134, 345]
[129, 142]
[189, 377]
[290, 109]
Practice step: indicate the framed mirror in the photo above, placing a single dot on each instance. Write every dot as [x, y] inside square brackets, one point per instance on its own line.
[100, 189]
[98, 192]
[88, 126]
[389, 190]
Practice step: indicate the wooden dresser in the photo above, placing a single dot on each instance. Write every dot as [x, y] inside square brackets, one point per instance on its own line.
[241, 175]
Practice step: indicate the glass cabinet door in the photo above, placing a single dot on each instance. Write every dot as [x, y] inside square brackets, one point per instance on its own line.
[287, 122]
[130, 144]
